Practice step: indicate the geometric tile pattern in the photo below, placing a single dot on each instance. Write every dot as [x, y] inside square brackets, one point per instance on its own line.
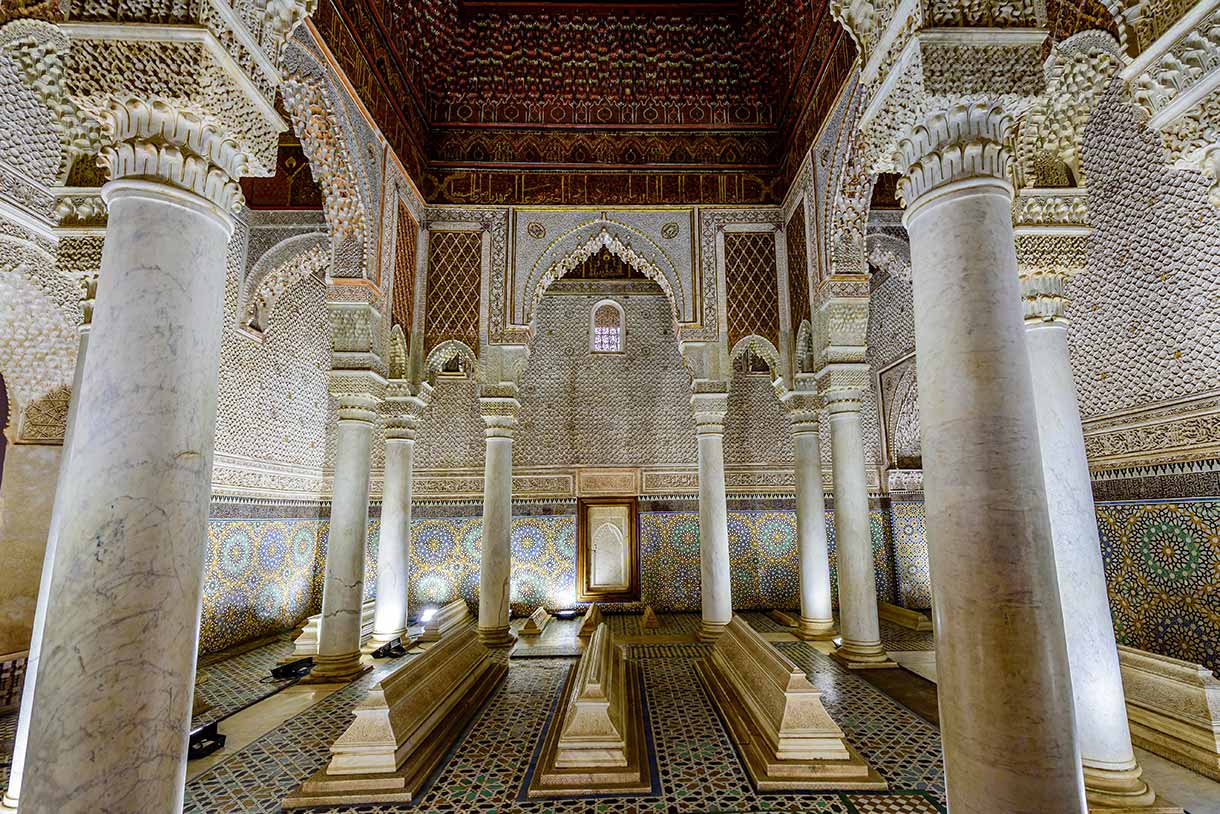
[1162, 563]
[750, 286]
[897, 637]
[259, 578]
[264, 576]
[237, 682]
[763, 565]
[698, 769]
[446, 551]
[912, 572]
[454, 271]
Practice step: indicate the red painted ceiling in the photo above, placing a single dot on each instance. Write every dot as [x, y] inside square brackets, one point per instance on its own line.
[596, 102]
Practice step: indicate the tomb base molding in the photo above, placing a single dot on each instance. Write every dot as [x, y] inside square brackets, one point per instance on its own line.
[599, 744]
[1173, 707]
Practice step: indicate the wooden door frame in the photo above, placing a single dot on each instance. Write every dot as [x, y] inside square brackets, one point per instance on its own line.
[583, 593]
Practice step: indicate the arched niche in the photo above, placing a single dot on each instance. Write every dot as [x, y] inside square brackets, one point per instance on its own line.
[279, 268]
[629, 244]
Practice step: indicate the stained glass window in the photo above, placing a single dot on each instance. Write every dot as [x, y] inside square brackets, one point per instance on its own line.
[607, 328]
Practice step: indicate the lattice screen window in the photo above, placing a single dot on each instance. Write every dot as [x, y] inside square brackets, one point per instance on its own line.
[751, 294]
[402, 302]
[607, 327]
[453, 289]
[798, 271]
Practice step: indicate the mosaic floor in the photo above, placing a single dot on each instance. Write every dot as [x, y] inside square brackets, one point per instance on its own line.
[699, 769]
[238, 682]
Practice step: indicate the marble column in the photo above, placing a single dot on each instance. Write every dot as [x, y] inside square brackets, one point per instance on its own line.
[20, 743]
[394, 549]
[112, 706]
[817, 617]
[1112, 776]
[859, 624]
[716, 591]
[1007, 722]
[338, 656]
[495, 569]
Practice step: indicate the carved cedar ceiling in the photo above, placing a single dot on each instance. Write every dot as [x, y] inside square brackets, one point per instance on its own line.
[609, 102]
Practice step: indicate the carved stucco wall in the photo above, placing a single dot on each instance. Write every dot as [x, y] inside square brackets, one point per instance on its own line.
[756, 429]
[580, 407]
[28, 143]
[274, 417]
[1146, 315]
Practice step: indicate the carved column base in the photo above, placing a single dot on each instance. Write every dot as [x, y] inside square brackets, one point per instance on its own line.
[8, 803]
[815, 630]
[338, 669]
[857, 656]
[500, 636]
[1110, 791]
[709, 632]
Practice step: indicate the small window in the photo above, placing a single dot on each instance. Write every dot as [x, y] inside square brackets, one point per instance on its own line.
[607, 328]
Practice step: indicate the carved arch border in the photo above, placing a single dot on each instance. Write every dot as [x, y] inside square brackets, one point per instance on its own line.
[445, 352]
[569, 251]
[320, 116]
[275, 272]
[761, 346]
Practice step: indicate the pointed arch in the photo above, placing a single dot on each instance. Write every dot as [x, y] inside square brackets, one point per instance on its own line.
[279, 268]
[578, 245]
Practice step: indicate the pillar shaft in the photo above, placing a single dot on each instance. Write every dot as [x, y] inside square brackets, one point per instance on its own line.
[108, 730]
[715, 583]
[394, 546]
[21, 741]
[495, 570]
[1112, 775]
[817, 616]
[1006, 714]
[338, 656]
[858, 621]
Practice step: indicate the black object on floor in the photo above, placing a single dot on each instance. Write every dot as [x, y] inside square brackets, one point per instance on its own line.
[293, 669]
[390, 650]
[204, 741]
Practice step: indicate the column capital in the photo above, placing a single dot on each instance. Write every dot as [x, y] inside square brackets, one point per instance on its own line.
[358, 394]
[499, 414]
[710, 409]
[189, 105]
[158, 139]
[963, 141]
[803, 410]
[402, 410]
[842, 386]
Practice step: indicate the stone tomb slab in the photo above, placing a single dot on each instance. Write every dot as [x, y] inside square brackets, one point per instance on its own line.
[406, 726]
[783, 734]
[636, 777]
